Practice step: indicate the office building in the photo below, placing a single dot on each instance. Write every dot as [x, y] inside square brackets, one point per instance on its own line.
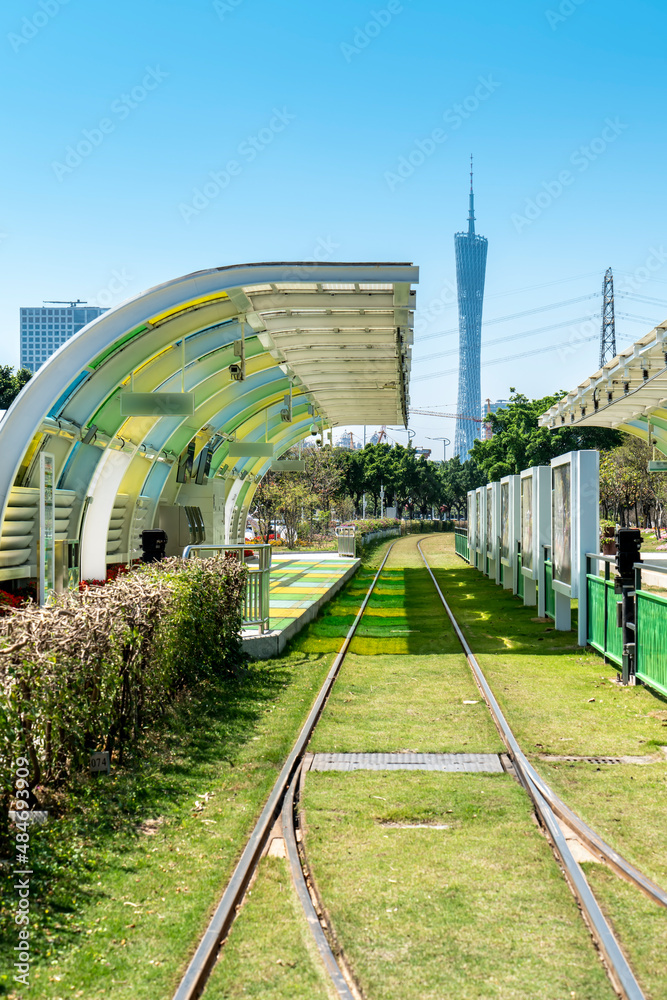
[45, 328]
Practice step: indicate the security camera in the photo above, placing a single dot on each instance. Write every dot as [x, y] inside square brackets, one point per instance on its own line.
[314, 429]
[237, 372]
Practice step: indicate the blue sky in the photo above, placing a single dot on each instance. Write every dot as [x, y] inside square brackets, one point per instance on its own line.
[562, 104]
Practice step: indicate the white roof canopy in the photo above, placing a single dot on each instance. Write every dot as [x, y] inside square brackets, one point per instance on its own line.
[627, 393]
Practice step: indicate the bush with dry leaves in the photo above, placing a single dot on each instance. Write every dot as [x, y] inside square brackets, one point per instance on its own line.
[87, 672]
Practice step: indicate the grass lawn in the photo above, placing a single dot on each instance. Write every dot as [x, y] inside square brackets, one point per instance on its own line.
[270, 953]
[474, 911]
[641, 925]
[624, 803]
[384, 704]
[153, 846]
[126, 879]
[558, 697]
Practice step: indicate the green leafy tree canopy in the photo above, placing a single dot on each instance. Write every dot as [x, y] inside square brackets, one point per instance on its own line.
[11, 383]
[518, 441]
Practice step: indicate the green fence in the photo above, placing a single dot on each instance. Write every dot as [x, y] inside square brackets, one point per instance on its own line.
[651, 638]
[603, 632]
[549, 596]
[461, 544]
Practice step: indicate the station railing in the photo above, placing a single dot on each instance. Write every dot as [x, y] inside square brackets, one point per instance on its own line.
[461, 545]
[547, 583]
[257, 559]
[650, 621]
[604, 633]
[347, 541]
[651, 631]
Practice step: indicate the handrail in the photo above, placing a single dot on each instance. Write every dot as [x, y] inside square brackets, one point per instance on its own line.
[601, 557]
[256, 608]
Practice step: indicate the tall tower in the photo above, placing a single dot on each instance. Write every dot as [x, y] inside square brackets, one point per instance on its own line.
[608, 331]
[470, 251]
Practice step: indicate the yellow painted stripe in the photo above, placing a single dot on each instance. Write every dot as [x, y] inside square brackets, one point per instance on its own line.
[183, 306]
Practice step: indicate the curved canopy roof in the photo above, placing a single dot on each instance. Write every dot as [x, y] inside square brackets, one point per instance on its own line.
[335, 337]
[628, 393]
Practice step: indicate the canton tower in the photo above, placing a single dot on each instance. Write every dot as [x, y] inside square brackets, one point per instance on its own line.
[470, 251]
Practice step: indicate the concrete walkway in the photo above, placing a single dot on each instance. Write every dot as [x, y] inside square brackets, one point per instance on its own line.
[301, 583]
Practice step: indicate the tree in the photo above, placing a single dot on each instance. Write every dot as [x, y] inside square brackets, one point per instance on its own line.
[518, 441]
[11, 383]
[457, 479]
[626, 484]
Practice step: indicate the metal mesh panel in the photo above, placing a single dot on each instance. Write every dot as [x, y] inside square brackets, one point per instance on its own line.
[652, 640]
[549, 596]
[597, 611]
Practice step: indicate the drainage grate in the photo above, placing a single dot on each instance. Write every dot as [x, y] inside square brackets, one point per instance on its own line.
[573, 759]
[406, 762]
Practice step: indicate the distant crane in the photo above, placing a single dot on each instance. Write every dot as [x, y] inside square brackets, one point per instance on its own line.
[608, 330]
[62, 302]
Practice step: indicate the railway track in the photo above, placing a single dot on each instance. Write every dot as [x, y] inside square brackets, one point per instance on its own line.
[282, 803]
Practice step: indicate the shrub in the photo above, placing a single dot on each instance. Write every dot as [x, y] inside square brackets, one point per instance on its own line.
[202, 635]
[86, 672]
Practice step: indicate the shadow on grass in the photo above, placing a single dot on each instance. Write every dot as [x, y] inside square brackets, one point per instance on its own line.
[494, 621]
[199, 731]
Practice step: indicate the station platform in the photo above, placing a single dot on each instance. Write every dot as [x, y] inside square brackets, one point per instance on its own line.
[301, 583]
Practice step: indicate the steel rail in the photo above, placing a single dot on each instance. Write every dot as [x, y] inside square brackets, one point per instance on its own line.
[299, 879]
[619, 970]
[203, 960]
[595, 843]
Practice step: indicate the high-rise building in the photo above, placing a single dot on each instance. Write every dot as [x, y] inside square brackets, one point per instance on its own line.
[470, 252]
[489, 407]
[45, 328]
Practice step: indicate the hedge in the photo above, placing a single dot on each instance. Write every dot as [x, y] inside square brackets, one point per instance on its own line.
[87, 672]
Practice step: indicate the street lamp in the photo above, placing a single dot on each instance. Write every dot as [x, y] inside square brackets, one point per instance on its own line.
[445, 442]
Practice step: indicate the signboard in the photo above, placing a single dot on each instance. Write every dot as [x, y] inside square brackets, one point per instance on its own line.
[47, 573]
[575, 525]
[472, 518]
[657, 466]
[157, 404]
[527, 517]
[505, 521]
[100, 762]
[561, 554]
[489, 520]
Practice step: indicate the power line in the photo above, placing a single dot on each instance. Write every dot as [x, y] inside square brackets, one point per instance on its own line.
[513, 357]
[506, 319]
[511, 336]
[637, 319]
[544, 284]
[642, 298]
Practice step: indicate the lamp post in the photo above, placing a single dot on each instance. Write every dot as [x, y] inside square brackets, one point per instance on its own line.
[445, 442]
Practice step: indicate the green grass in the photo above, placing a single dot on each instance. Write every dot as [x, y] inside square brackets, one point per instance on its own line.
[152, 862]
[558, 697]
[270, 953]
[624, 803]
[382, 704]
[641, 928]
[126, 879]
[475, 911]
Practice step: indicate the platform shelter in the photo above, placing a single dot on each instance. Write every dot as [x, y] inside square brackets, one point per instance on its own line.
[167, 410]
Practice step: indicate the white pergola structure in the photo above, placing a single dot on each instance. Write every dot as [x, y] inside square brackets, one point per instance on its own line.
[628, 393]
[176, 400]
